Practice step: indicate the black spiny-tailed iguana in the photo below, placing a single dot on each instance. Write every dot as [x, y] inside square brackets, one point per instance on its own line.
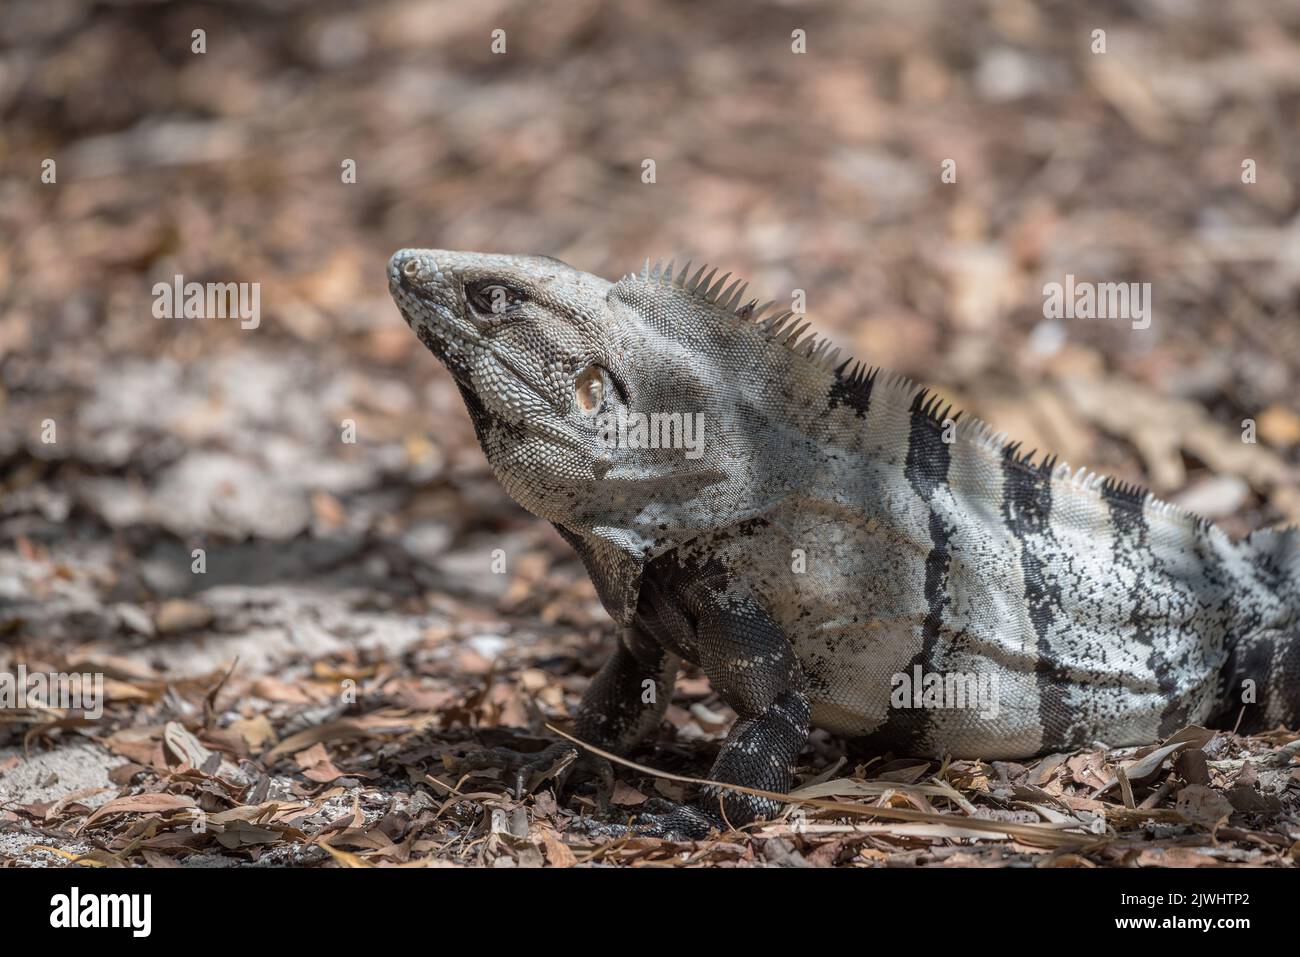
[829, 529]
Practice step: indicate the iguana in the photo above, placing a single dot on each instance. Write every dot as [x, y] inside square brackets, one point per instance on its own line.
[832, 534]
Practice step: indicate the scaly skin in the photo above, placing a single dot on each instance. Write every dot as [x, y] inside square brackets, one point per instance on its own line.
[833, 529]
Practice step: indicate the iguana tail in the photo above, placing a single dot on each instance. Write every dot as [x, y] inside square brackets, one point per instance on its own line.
[1261, 679]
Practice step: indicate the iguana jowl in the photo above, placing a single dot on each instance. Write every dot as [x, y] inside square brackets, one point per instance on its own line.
[839, 529]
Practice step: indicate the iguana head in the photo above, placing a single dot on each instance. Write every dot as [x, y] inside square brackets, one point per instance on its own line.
[559, 370]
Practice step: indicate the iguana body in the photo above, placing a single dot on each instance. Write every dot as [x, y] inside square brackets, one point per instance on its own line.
[837, 530]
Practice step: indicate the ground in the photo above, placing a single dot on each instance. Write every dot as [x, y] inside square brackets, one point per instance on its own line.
[281, 545]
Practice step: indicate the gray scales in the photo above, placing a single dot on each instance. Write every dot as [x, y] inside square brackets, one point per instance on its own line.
[834, 528]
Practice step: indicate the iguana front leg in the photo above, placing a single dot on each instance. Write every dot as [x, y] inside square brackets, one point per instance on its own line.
[760, 752]
[629, 695]
[752, 667]
[624, 702]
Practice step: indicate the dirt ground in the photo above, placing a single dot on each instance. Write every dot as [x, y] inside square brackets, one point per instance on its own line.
[277, 543]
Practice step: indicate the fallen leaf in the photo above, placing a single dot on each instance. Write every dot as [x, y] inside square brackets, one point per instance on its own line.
[256, 732]
[1204, 806]
[557, 852]
[626, 795]
[140, 804]
[184, 745]
[345, 858]
[181, 614]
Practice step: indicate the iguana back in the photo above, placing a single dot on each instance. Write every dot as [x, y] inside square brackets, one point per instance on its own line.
[923, 539]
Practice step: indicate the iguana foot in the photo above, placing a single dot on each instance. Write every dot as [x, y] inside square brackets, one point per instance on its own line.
[525, 770]
[665, 820]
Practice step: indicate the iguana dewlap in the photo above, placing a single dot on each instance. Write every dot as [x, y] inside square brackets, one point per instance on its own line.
[825, 529]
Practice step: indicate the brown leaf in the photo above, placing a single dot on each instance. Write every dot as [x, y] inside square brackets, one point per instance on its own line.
[903, 772]
[1147, 767]
[1204, 806]
[140, 804]
[316, 764]
[1244, 798]
[1176, 857]
[134, 744]
[625, 794]
[557, 852]
[154, 859]
[1192, 767]
[346, 858]
[323, 773]
[55, 809]
[1088, 769]
[1043, 771]
[256, 732]
[238, 833]
[184, 745]
[273, 689]
[377, 723]
[309, 757]
[181, 614]
[124, 773]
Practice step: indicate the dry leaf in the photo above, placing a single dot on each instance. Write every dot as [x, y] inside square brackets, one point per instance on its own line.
[140, 804]
[1203, 806]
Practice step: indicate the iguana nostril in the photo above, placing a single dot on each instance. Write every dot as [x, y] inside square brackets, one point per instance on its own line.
[410, 269]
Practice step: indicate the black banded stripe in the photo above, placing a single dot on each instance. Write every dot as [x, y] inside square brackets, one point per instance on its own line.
[926, 471]
[1132, 548]
[853, 389]
[1027, 511]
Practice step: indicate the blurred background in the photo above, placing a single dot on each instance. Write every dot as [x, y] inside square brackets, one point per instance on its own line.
[818, 171]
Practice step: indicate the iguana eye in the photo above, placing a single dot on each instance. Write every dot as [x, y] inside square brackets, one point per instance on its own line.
[589, 389]
[492, 298]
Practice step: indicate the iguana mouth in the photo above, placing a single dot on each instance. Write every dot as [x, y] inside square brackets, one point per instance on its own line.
[430, 303]
[432, 300]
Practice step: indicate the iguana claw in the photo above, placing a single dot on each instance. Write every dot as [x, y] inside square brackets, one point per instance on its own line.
[665, 820]
[523, 771]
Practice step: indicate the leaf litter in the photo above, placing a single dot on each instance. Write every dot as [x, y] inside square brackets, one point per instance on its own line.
[303, 701]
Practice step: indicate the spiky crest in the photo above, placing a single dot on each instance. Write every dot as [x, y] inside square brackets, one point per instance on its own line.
[787, 330]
